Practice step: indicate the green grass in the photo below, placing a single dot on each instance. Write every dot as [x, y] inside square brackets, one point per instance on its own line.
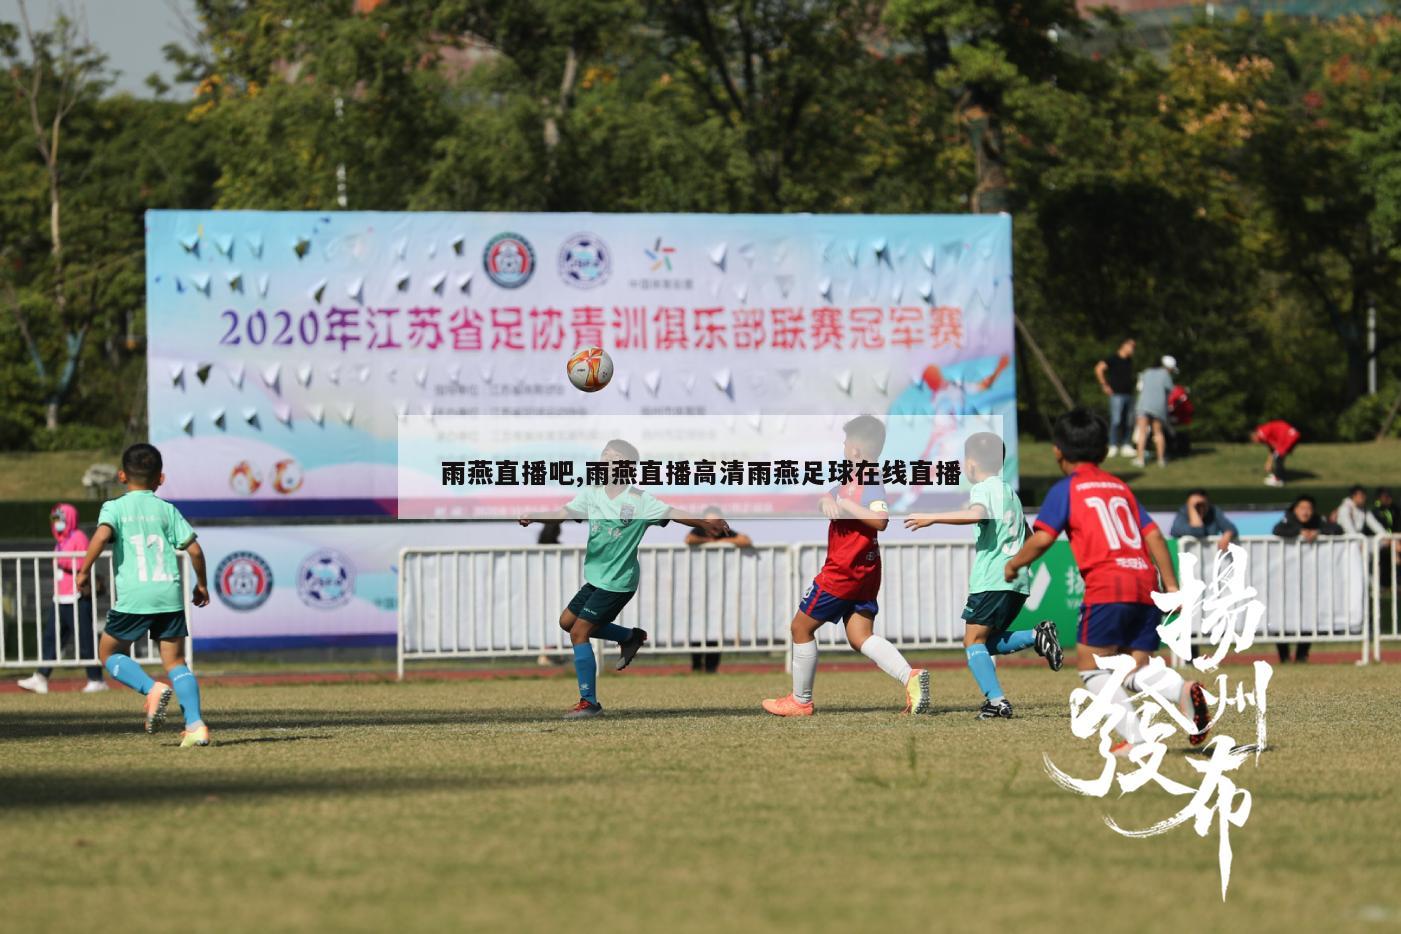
[48, 475]
[1233, 472]
[470, 806]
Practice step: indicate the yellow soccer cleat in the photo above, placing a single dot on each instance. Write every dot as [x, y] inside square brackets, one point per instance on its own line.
[917, 691]
[199, 736]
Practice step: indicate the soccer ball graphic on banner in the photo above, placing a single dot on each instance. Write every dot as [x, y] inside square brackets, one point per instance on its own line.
[590, 369]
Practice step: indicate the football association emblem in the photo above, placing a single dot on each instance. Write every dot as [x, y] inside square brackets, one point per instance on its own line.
[585, 261]
[243, 581]
[509, 260]
[325, 580]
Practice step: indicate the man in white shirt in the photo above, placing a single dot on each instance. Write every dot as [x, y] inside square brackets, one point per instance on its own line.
[1355, 517]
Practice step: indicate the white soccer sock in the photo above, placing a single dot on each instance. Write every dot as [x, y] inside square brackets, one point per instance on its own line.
[887, 657]
[804, 670]
[1128, 724]
[1166, 683]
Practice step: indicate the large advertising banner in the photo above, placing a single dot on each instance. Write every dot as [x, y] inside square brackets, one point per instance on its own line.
[284, 349]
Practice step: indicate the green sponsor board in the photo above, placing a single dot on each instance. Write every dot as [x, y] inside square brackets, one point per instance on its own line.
[1057, 591]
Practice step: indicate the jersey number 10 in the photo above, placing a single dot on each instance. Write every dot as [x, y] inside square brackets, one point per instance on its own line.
[1118, 521]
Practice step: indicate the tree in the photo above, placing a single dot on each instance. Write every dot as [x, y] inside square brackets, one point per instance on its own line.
[62, 73]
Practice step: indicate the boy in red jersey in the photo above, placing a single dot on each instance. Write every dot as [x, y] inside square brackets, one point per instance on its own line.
[1116, 546]
[847, 585]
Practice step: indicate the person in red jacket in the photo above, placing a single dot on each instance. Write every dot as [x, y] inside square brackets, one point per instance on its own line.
[1281, 438]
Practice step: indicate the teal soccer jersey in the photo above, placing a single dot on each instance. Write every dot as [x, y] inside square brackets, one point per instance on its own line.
[146, 534]
[616, 526]
[1000, 536]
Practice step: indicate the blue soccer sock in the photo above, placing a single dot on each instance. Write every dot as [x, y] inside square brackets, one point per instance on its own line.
[187, 692]
[984, 671]
[1013, 642]
[612, 632]
[126, 671]
[586, 671]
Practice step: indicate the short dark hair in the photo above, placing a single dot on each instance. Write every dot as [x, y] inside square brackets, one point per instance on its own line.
[624, 448]
[1082, 436]
[142, 463]
[1303, 498]
[1355, 489]
[867, 431]
[1198, 492]
[985, 449]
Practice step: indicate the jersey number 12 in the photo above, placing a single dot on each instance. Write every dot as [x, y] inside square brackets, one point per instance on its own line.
[157, 571]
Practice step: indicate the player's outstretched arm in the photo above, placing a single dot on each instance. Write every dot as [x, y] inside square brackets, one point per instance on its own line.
[99, 541]
[554, 515]
[1158, 551]
[1036, 546]
[970, 516]
[200, 596]
[713, 526]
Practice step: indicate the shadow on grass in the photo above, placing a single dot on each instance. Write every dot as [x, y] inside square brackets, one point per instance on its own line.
[39, 724]
[269, 739]
[67, 789]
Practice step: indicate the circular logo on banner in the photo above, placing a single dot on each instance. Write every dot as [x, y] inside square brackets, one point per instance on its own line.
[585, 261]
[325, 580]
[509, 260]
[243, 581]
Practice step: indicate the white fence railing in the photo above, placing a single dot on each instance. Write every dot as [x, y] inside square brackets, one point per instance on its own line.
[28, 602]
[486, 602]
[1313, 591]
[1386, 575]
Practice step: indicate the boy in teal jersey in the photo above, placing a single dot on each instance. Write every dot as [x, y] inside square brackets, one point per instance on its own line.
[993, 602]
[619, 515]
[146, 532]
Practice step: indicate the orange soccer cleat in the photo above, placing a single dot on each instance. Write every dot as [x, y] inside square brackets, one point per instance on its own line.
[156, 702]
[788, 706]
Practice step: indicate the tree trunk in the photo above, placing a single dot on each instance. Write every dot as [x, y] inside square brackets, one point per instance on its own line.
[984, 127]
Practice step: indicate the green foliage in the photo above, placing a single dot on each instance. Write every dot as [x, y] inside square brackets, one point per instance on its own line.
[1236, 203]
[81, 438]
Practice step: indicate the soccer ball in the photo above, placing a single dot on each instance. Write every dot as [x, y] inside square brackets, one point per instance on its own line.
[590, 369]
[245, 479]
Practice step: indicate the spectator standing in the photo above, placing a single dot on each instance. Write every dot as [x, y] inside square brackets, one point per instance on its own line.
[1353, 517]
[1116, 378]
[1281, 438]
[1302, 522]
[1199, 518]
[709, 662]
[1384, 509]
[1153, 390]
[69, 618]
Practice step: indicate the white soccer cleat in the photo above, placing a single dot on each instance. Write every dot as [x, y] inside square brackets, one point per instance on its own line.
[95, 687]
[35, 684]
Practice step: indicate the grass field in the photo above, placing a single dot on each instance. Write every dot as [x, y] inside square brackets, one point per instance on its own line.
[470, 806]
